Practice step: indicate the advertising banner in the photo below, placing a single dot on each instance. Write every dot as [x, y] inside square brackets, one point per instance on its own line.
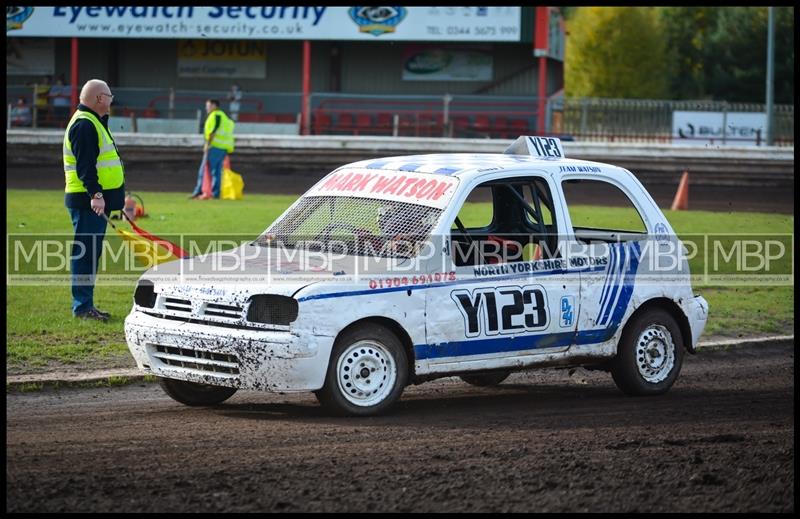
[362, 23]
[423, 63]
[741, 128]
[222, 58]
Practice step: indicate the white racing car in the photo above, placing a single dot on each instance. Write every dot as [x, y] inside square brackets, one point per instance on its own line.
[384, 274]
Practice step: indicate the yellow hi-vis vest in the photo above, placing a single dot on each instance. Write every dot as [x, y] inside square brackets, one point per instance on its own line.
[223, 139]
[109, 166]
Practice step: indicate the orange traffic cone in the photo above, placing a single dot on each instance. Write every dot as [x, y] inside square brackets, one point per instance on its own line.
[206, 189]
[681, 200]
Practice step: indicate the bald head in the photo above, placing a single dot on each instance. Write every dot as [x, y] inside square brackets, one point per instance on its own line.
[92, 89]
[96, 95]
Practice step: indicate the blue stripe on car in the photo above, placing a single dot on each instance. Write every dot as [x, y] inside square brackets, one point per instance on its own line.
[614, 269]
[378, 164]
[449, 283]
[611, 263]
[617, 282]
[545, 340]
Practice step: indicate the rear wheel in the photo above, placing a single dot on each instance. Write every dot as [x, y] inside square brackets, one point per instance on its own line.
[650, 354]
[367, 372]
[191, 393]
[486, 379]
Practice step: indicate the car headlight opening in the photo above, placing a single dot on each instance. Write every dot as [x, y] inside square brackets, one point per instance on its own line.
[272, 309]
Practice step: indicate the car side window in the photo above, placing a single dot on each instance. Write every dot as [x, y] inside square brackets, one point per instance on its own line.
[505, 221]
[601, 211]
[478, 210]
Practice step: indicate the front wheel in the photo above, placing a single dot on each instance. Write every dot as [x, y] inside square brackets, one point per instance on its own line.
[650, 354]
[367, 372]
[191, 393]
[486, 379]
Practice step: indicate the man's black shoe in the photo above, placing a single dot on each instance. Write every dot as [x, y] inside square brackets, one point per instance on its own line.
[102, 312]
[92, 314]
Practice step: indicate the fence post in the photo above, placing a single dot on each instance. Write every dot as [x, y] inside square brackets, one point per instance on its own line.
[584, 114]
[34, 108]
[134, 129]
[548, 115]
[724, 122]
[8, 118]
[446, 117]
[200, 120]
[171, 102]
[395, 125]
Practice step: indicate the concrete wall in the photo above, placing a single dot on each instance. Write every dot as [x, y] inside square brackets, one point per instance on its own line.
[294, 154]
[365, 68]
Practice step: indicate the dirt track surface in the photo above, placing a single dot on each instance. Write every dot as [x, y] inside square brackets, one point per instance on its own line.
[720, 440]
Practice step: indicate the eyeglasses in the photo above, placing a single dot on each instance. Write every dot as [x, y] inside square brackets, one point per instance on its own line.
[108, 95]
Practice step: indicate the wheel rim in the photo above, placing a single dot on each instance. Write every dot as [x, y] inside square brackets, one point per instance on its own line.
[655, 353]
[366, 373]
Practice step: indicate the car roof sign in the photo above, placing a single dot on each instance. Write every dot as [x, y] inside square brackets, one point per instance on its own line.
[542, 147]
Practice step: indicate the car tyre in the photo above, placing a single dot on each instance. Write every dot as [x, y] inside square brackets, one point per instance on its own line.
[193, 394]
[367, 372]
[650, 354]
[486, 379]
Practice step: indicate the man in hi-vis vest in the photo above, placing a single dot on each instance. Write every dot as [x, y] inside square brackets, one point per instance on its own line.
[218, 137]
[95, 185]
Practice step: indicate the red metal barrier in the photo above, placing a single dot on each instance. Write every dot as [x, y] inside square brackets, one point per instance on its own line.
[355, 116]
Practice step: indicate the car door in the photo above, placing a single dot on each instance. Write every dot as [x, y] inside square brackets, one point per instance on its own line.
[501, 308]
[611, 240]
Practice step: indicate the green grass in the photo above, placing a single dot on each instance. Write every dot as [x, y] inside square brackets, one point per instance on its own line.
[112, 381]
[41, 332]
[745, 311]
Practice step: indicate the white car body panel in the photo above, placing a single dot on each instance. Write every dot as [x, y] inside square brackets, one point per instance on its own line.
[454, 319]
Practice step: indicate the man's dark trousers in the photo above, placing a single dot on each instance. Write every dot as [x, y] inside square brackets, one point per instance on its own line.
[89, 232]
[216, 157]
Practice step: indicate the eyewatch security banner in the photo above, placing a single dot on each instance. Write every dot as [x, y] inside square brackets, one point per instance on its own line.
[388, 23]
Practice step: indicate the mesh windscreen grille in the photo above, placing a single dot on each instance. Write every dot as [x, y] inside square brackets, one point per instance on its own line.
[350, 225]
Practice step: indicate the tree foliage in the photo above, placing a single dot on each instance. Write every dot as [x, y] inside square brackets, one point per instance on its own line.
[616, 52]
[687, 31]
[736, 55]
[715, 53]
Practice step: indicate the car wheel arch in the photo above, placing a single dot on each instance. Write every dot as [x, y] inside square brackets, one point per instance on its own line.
[674, 310]
[394, 327]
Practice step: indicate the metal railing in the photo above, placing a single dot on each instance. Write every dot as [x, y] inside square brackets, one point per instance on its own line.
[423, 116]
[473, 116]
[633, 120]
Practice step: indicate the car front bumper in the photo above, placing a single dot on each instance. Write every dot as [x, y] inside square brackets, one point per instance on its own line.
[224, 356]
[696, 310]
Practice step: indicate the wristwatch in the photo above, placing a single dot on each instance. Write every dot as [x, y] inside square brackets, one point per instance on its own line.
[98, 195]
